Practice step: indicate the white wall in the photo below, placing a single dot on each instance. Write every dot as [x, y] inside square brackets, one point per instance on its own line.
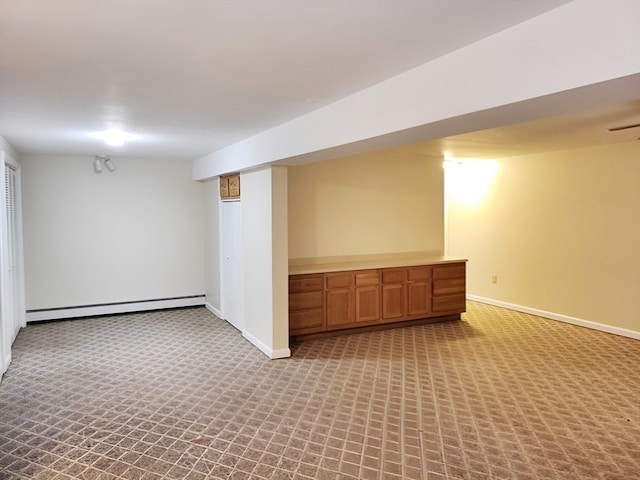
[265, 259]
[212, 245]
[135, 234]
[560, 230]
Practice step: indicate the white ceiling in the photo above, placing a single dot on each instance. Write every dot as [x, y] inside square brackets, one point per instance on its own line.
[193, 76]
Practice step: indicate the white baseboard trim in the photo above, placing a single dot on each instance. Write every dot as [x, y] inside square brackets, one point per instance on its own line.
[213, 310]
[557, 316]
[112, 308]
[281, 353]
[6, 361]
[272, 354]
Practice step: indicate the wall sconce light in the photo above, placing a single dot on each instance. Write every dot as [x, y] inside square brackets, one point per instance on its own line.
[100, 160]
[109, 164]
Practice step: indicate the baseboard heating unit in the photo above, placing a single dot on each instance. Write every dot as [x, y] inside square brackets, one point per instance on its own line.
[112, 308]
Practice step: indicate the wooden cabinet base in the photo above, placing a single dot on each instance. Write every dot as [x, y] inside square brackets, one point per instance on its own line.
[374, 328]
[348, 301]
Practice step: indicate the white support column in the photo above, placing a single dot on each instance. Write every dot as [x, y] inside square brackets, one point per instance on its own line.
[265, 260]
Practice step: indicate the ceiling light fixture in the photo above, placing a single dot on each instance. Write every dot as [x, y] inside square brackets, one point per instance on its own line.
[97, 164]
[115, 138]
[623, 127]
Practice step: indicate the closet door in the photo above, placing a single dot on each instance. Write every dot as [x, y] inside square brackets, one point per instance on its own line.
[232, 263]
[11, 278]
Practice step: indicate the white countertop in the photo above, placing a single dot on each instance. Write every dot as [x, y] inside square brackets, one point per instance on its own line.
[300, 266]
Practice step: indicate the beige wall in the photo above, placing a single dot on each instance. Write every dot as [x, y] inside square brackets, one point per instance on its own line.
[383, 202]
[561, 231]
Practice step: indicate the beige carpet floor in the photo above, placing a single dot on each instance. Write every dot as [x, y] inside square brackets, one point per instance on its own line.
[181, 395]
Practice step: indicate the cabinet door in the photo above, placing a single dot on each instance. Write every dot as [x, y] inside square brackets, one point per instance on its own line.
[394, 292]
[367, 303]
[393, 300]
[340, 308]
[234, 186]
[418, 299]
[224, 187]
[419, 292]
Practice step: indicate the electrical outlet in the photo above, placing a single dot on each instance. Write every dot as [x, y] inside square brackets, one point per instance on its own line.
[494, 279]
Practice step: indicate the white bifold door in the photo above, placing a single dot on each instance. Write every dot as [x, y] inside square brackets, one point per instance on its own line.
[232, 263]
[12, 312]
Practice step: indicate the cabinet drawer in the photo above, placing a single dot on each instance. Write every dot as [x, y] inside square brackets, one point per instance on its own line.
[448, 303]
[394, 276]
[304, 283]
[448, 287]
[448, 271]
[306, 319]
[418, 274]
[368, 278]
[305, 300]
[339, 280]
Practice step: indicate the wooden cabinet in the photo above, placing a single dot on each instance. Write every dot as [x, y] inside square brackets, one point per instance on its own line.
[333, 301]
[306, 304]
[448, 292]
[230, 187]
[352, 297]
